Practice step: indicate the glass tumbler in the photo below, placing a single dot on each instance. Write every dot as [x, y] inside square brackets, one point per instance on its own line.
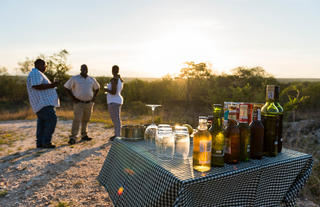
[165, 143]
[182, 142]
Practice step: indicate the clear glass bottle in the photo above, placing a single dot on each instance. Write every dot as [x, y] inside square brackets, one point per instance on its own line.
[280, 123]
[270, 118]
[257, 135]
[217, 133]
[244, 132]
[202, 142]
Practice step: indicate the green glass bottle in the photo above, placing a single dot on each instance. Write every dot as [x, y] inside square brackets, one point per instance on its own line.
[280, 123]
[217, 134]
[270, 119]
[244, 132]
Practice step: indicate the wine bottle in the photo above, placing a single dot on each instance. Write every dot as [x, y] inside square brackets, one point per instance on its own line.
[270, 119]
[202, 145]
[217, 133]
[244, 132]
[232, 138]
[257, 135]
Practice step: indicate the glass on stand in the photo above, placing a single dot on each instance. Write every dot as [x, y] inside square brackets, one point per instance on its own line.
[151, 130]
[164, 142]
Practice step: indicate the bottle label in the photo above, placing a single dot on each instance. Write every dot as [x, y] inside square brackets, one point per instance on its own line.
[205, 146]
[243, 116]
[205, 150]
[248, 148]
[227, 147]
[281, 139]
[275, 142]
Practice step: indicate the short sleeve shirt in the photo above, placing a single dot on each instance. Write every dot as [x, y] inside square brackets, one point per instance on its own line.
[40, 98]
[82, 88]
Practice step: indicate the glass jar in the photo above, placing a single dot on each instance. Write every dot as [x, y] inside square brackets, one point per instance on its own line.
[182, 142]
[164, 142]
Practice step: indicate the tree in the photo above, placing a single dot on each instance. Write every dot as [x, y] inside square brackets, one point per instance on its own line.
[57, 68]
[294, 100]
[56, 64]
[193, 73]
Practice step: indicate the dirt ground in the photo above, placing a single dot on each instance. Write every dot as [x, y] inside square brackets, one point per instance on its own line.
[66, 175]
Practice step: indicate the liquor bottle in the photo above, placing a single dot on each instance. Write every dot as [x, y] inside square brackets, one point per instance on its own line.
[209, 121]
[202, 144]
[280, 123]
[270, 119]
[217, 133]
[232, 138]
[244, 132]
[257, 135]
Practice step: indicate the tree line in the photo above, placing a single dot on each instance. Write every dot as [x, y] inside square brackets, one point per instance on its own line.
[183, 98]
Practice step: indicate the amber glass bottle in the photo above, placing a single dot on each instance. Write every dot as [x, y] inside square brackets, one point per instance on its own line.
[280, 123]
[270, 119]
[244, 132]
[202, 147]
[257, 134]
[217, 133]
[232, 139]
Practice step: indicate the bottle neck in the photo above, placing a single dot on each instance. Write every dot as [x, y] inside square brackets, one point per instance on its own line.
[202, 124]
[270, 93]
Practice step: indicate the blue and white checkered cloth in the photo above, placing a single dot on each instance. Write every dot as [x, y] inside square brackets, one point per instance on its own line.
[148, 181]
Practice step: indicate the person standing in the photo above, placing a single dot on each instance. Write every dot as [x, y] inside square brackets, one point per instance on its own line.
[83, 90]
[115, 100]
[43, 100]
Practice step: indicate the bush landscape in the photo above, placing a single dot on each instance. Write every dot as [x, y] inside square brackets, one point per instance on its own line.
[183, 98]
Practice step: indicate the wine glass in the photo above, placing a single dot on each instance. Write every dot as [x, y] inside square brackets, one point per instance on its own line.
[151, 130]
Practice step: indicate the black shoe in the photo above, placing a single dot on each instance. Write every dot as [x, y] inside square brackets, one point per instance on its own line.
[39, 145]
[86, 138]
[72, 141]
[48, 146]
[112, 138]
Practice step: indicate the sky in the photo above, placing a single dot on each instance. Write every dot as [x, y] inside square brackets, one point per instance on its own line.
[153, 38]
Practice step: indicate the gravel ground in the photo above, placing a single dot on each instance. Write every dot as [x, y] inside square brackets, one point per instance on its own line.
[66, 175]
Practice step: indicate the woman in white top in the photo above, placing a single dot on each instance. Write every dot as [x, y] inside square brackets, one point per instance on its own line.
[115, 100]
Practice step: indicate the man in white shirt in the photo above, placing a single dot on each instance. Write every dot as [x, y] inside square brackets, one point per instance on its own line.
[83, 90]
[43, 98]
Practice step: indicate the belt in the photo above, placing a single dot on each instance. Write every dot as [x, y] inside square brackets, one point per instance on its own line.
[84, 101]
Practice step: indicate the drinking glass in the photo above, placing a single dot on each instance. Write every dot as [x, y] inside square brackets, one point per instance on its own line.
[151, 130]
[164, 142]
[182, 142]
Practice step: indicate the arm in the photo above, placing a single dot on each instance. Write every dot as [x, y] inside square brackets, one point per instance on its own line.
[114, 83]
[71, 95]
[45, 86]
[94, 95]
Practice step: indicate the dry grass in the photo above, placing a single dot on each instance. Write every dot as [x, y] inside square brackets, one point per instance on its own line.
[99, 115]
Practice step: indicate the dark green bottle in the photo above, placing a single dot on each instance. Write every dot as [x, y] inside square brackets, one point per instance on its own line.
[270, 119]
[244, 132]
[218, 138]
[280, 123]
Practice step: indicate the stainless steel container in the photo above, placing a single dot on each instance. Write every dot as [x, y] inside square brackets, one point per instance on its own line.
[132, 131]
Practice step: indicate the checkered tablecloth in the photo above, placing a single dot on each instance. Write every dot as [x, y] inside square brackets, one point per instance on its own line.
[133, 175]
